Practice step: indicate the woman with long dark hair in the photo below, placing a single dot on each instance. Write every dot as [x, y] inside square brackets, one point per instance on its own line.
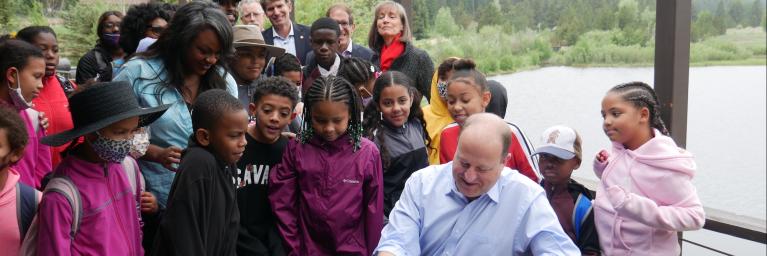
[187, 59]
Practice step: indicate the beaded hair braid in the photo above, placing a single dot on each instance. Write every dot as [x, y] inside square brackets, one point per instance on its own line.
[357, 70]
[334, 89]
[642, 95]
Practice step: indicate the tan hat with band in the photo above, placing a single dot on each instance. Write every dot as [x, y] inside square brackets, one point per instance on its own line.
[250, 35]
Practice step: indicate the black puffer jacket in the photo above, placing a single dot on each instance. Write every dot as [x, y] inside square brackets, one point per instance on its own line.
[415, 63]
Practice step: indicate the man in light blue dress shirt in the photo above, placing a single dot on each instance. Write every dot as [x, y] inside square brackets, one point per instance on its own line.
[474, 205]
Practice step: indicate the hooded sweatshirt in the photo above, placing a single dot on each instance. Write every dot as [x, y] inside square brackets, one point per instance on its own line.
[328, 199]
[10, 239]
[110, 221]
[645, 197]
[202, 217]
[437, 118]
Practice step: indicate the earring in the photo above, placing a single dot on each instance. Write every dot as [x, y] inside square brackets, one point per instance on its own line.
[381, 114]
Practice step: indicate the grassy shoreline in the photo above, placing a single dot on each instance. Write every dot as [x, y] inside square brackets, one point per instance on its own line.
[745, 62]
[528, 50]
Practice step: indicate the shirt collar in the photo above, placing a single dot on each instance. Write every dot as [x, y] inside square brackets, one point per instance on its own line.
[349, 47]
[274, 32]
[494, 192]
[333, 69]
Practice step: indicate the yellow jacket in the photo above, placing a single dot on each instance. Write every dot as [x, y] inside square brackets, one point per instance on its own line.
[437, 117]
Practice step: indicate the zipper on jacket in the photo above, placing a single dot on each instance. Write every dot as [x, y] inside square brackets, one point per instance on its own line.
[117, 213]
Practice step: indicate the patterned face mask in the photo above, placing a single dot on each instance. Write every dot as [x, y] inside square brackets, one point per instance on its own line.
[442, 89]
[140, 143]
[111, 150]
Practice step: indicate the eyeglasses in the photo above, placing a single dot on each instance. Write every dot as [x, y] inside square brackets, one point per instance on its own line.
[344, 24]
[111, 25]
[156, 29]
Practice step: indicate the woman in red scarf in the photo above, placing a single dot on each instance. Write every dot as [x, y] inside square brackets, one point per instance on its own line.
[391, 40]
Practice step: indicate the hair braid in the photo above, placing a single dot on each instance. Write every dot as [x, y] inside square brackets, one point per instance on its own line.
[356, 70]
[642, 95]
[334, 89]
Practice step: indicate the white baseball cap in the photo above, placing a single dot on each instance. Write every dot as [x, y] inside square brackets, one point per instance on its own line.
[559, 141]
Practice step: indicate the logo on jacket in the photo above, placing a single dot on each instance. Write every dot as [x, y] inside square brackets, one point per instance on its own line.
[351, 181]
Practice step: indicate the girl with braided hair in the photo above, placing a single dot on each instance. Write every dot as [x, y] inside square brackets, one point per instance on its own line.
[394, 120]
[645, 194]
[360, 73]
[327, 192]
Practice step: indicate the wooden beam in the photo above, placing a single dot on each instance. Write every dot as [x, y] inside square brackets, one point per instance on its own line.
[672, 64]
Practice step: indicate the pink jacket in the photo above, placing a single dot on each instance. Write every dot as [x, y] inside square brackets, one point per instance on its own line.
[110, 221]
[10, 239]
[36, 162]
[645, 196]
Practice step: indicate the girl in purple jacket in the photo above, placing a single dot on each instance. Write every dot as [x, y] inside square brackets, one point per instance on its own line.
[327, 192]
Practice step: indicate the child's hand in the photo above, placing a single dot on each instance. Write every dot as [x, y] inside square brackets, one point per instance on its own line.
[148, 203]
[170, 156]
[289, 135]
[602, 156]
[43, 121]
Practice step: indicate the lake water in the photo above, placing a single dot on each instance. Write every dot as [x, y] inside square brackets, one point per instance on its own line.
[727, 119]
[726, 123]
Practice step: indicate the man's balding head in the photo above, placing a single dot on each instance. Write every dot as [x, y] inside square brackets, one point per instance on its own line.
[482, 150]
[490, 128]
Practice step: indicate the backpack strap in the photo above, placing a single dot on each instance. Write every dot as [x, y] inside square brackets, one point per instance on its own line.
[64, 186]
[26, 207]
[580, 213]
[66, 85]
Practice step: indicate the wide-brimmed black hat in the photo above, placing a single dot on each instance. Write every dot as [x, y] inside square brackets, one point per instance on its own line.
[101, 105]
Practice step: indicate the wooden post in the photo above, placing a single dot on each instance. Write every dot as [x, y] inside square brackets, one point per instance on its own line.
[672, 64]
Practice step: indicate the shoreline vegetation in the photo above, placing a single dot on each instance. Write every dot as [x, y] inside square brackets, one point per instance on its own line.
[502, 36]
[528, 50]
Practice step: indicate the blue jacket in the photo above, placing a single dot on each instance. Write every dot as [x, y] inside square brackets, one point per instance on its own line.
[173, 128]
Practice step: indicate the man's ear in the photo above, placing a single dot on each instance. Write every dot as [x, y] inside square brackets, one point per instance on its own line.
[506, 158]
[578, 165]
[202, 136]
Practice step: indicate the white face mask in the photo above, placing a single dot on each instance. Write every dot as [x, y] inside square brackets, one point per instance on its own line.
[17, 97]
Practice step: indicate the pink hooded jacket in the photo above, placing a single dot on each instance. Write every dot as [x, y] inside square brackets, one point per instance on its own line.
[645, 196]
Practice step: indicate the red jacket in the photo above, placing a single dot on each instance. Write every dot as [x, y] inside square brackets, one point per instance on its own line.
[54, 103]
[518, 160]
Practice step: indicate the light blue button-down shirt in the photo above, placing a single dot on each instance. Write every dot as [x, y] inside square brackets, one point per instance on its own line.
[433, 218]
[289, 43]
[173, 128]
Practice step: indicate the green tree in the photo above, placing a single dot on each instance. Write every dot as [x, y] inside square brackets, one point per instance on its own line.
[36, 15]
[755, 15]
[444, 24]
[7, 16]
[489, 15]
[421, 22]
[570, 27]
[703, 27]
[737, 12]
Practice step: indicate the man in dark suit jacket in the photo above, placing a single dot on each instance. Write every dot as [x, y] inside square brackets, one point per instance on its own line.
[294, 38]
[342, 14]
